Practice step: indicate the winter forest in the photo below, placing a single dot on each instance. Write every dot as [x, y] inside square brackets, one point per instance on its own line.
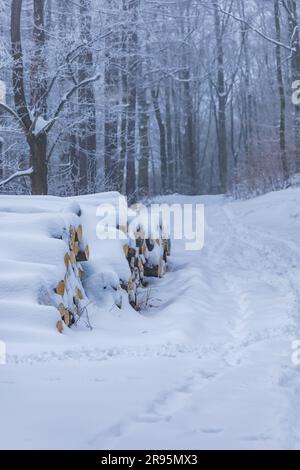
[148, 97]
[149, 227]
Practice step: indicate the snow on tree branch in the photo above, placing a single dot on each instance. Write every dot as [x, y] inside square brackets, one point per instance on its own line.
[10, 111]
[16, 175]
[251, 27]
[67, 96]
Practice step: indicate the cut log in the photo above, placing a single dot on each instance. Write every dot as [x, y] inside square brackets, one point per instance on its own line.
[144, 249]
[79, 234]
[76, 248]
[62, 310]
[72, 234]
[72, 258]
[83, 255]
[65, 315]
[150, 244]
[140, 242]
[67, 318]
[151, 271]
[80, 272]
[79, 293]
[131, 252]
[60, 326]
[60, 289]
[67, 261]
[130, 286]
[126, 249]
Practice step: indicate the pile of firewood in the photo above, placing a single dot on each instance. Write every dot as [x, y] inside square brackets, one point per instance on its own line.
[69, 293]
[147, 257]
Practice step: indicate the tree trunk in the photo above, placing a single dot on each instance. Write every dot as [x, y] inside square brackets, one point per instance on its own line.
[190, 166]
[38, 155]
[111, 115]
[295, 65]
[222, 100]
[37, 145]
[132, 99]
[38, 81]
[86, 97]
[280, 81]
[163, 141]
[170, 146]
[124, 114]
[143, 113]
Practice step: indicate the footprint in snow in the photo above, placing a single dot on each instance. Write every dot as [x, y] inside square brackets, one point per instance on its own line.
[212, 430]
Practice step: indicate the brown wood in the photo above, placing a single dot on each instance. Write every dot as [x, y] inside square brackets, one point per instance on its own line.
[72, 232]
[80, 272]
[72, 258]
[67, 261]
[60, 289]
[79, 234]
[83, 255]
[131, 252]
[67, 318]
[126, 249]
[62, 310]
[79, 293]
[76, 248]
[152, 271]
[60, 327]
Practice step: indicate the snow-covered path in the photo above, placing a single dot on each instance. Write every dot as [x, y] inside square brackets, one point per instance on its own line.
[209, 367]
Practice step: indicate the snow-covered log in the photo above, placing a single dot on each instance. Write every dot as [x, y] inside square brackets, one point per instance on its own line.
[55, 257]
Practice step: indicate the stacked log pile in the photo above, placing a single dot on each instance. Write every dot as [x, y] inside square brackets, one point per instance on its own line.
[50, 250]
[70, 295]
[146, 251]
[50, 257]
[147, 257]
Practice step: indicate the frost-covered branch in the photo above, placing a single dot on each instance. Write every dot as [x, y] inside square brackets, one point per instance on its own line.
[10, 111]
[251, 27]
[68, 95]
[16, 175]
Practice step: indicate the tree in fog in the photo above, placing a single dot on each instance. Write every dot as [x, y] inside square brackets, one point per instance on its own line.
[149, 97]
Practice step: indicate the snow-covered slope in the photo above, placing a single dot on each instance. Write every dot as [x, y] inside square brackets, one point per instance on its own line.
[208, 366]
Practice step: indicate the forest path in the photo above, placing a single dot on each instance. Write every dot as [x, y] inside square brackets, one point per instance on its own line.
[241, 295]
[209, 367]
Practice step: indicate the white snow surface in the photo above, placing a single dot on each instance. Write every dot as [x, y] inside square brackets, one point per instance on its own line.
[206, 366]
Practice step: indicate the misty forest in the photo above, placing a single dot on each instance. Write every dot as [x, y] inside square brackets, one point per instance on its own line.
[149, 226]
[148, 97]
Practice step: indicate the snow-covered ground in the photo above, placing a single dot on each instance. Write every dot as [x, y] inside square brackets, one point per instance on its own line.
[207, 367]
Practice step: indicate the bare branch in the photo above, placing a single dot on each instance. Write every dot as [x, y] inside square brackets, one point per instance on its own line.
[252, 28]
[16, 175]
[10, 111]
[68, 95]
